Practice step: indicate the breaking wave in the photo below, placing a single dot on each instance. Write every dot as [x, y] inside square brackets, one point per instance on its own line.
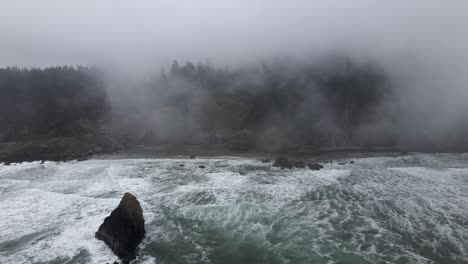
[409, 209]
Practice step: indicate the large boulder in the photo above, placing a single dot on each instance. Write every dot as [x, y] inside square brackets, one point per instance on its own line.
[124, 229]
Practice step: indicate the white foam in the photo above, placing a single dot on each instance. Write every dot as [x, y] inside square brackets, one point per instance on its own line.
[70, 220]
[63, 206]
[59, 206]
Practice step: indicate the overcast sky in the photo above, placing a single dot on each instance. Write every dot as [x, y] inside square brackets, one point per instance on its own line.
[139, 33]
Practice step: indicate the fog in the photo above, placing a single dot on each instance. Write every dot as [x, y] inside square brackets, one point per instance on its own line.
[419, 45]
[153, 33]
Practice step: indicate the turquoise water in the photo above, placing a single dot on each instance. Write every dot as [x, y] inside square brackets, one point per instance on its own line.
[409, 209]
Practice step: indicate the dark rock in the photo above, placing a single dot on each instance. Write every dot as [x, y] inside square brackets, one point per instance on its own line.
[266, 161]
[181, 165]
[6, 163]
[47, 149]
[299, 164]
[124, 229]
[202, 166]
[315, 166]
[57, 148]
[192, 157]
[283, 162]
[344, 163]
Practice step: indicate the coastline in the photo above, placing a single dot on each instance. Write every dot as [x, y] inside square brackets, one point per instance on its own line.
[67, 149]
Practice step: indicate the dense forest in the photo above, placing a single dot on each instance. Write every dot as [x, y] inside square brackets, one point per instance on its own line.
[59, 101]
[270, 107]
[274, 106]
[55, 113]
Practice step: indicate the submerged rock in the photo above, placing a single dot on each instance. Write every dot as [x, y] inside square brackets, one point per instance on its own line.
[124, 229]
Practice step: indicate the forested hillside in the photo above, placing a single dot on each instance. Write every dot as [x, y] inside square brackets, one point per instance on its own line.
[274, 106]
[58, 101]
[270, 107]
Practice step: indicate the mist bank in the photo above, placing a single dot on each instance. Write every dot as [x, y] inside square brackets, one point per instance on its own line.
[326, 102]
[329, 102]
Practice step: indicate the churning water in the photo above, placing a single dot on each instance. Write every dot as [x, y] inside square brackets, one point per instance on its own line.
[409, 209]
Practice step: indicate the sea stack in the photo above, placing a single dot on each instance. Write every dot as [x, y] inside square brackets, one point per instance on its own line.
[124, 229]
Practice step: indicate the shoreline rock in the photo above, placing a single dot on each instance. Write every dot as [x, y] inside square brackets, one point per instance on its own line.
[285, 163]
[315, 166]
[55, 149]
[124, 229]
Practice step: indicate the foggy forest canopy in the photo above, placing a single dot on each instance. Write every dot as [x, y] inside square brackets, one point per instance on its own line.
[332, 102]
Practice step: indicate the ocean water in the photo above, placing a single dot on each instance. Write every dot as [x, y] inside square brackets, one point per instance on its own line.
[408, 209]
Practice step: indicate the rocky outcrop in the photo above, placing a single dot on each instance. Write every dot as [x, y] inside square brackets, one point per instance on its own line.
[285, 163]
[124, 229]
[59, 149]
[344, 163]
[315, 166]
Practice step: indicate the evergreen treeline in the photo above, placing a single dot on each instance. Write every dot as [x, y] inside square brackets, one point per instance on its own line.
[54, 102]
[273, 106]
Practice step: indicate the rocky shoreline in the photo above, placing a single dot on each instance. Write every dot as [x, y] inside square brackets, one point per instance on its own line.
[57, 149]
[103, 147]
